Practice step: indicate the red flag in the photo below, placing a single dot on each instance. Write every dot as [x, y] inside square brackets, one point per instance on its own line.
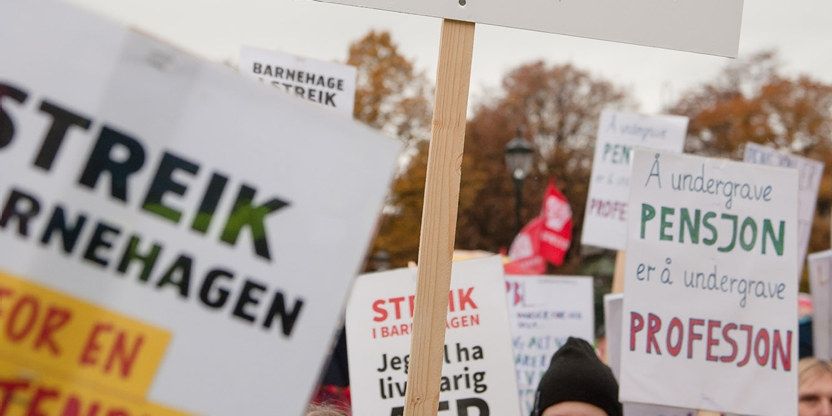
[525, 250]
[556, 234]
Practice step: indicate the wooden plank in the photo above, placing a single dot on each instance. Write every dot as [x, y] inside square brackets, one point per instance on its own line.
[618, 274]
[439, 217]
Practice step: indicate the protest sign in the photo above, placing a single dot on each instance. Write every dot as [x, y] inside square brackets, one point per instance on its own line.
[810, 173]
[544, 311]
[605, 218]
[477, 372]
[702, 26]
[820, 275]
[613, 304]
[163, 223]
[710, 293]
[330, 84]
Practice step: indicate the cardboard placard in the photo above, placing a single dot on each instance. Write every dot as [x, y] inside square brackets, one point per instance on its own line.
[477, 374]
[613, 305]
[810, 172]
[606, 215]
[329, 84]
[164, 221]
[820, 281]
[702, 26]
[544, 311]
[710, 294]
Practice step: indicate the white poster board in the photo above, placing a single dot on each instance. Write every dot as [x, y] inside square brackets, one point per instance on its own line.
[606, 215]
[810, 172]
[702, 26]
[477, 374]
[710, 294]
[169, 220]
[613, 305]
[329, 84]
[820, 281]
[544, 311]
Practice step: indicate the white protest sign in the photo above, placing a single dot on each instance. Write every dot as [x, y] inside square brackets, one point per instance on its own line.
[810, 173]
[702, 26]
[330, 84]
[613, 305]
[544, 311]
[710, 294]
[820, 281]
[165, 222]
[477, 373]
[605, 218]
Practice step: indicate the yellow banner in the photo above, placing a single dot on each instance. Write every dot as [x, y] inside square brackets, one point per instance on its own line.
[21, 394]
[61, 337]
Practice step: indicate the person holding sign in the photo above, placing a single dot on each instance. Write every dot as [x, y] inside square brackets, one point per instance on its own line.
[815, 391]
[577, 383]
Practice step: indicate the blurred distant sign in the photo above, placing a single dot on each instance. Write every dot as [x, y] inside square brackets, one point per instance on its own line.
[702, 26]
[329, 84]
[162, 223]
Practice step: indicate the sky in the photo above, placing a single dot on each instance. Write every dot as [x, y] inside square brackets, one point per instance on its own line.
[216, 29]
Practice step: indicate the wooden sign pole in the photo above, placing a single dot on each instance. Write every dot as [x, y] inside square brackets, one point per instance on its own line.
[618, 274]
[436, 243]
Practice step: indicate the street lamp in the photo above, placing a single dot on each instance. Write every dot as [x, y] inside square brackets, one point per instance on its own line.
[519, 161]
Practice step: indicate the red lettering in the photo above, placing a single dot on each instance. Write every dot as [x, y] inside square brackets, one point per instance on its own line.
[381, 313]
[750, 330]
[712, 341]
[466, 299]
[675, 349]
[654, 324]
[119, 353]
[636, 325]
[91, 347]
[8, 387]
[15, 334]
[397, 302]
[692, 335]
[726, 334]
[55, 320]
[785, 354]
[41, 394]
[762, 338]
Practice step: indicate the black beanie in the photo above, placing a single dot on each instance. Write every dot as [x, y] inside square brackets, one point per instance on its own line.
[577, 375]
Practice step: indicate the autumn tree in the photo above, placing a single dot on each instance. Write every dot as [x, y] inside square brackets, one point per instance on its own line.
[391, 95]
[752, 100]
[556, 107]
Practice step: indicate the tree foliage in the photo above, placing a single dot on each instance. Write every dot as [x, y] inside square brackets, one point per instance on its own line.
[752, 100]
[391, 95]
[556, 107]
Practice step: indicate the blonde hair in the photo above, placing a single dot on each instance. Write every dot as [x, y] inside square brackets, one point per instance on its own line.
[323, 410]
[812, 367]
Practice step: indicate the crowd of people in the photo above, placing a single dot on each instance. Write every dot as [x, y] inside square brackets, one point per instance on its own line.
[578, 383]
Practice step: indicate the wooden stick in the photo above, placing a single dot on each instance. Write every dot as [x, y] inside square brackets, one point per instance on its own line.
[618, 275]
[436, 242]
[707, 413]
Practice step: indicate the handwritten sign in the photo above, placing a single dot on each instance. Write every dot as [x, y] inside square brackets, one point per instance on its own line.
[702, 26]
[606, 216]
[544, 311]
[330, 84]
[613, 305]
[162, 225]
[820, 280]
[710, 293]
[477, 373]
[810, 173]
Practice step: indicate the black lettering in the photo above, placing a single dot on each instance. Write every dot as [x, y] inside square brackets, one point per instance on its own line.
[278, 309]
[6, 122]
[164, 183]
[21, 206]
[62, 120]
[147, 259]
[100, 241]
[209, 203]
[102, 159]
[247, 214]
[69, 233]
[248, 298]
[218, 301]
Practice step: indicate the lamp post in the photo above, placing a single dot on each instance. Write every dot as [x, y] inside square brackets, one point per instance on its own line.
[519, 160]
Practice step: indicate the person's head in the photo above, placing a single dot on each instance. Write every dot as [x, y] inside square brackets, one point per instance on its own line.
[577, 383]
[323, 410]
[815, 387]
